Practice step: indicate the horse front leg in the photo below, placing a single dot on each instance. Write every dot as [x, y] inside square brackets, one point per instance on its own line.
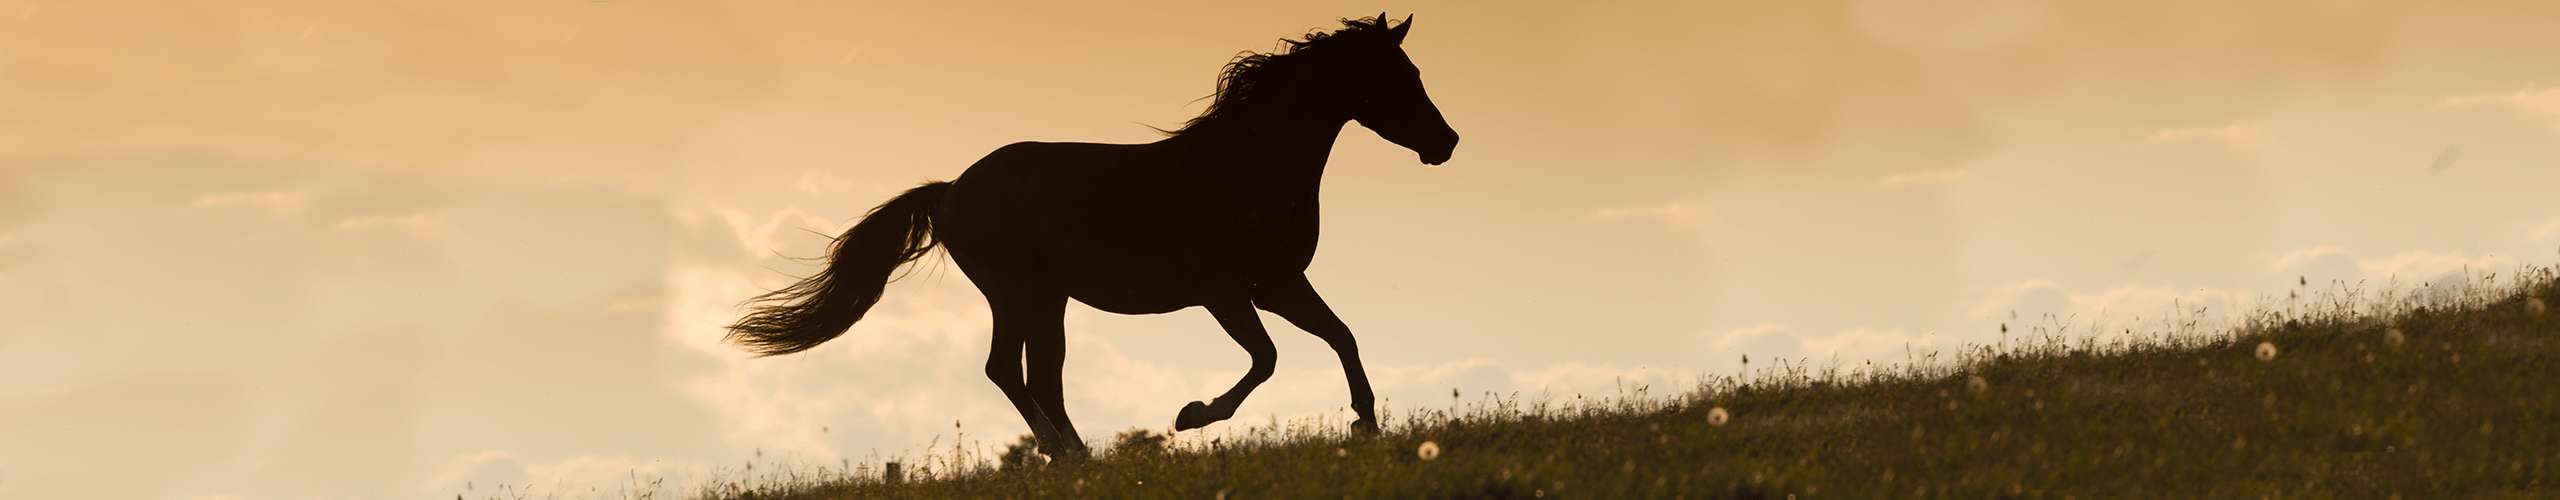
[1296, 300]
[1241, 324]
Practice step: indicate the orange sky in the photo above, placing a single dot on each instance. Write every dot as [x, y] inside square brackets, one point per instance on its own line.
[319, 249]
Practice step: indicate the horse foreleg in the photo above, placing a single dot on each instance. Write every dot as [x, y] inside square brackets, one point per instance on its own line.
[1297, 302]
[1241, 324]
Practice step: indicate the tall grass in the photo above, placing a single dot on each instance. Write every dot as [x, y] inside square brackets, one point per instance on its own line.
[2334, 390]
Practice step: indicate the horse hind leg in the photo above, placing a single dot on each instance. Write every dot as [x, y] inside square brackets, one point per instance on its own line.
[1021, 326]
[1047, 357]
[1241, 324]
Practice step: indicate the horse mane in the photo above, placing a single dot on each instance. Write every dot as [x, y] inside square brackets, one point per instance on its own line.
[1252, 77]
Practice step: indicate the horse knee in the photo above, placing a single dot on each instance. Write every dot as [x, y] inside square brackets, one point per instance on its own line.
[1004, 372]
[1341, 341]
[1264, 362]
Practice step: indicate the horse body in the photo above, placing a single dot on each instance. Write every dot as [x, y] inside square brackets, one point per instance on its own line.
[1134, 228]
[1221, 215]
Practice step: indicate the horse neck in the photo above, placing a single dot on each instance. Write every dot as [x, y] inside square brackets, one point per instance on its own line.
[1287, 155]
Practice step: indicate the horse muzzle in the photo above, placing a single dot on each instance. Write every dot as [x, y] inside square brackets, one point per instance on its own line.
[1439, 153]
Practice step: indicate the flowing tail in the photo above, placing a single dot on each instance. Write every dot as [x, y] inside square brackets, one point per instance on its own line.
[820, 307]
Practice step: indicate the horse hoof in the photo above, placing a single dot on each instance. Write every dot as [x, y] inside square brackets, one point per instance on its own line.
[1193, 416]
[1365, 427]
[1070, 455]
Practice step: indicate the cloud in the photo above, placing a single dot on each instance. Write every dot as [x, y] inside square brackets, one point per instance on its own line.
[1739, 337]
[1869, 344]
[80, 439]
[1677, 213]
[2030, 299]
[1601, 379]
[278, 201]
[2033, 304]
[419, 225]
[2320, 263]
[2427, 264]
[2545, 233]
[2303, 257]
[821, 182]
[2152, 301]
[1921, 177]
[2539, 102]
[312, 345]
[2235, 136]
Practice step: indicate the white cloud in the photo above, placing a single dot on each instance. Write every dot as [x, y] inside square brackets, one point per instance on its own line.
[759, 238]
[2153, 301]
[2427, 264]
[277, 202]
[419, 225]
[1921, 177]
[1678, 213]
[498, 474]
[2325, 262]
[821, 182]
[2026, 305]
[2236, 136]
[1869, 344]
[2539, 102]
[474, 473]
[2298, 258]
[1601, 379]
[1429, 374]
[1739, 337]
[2022, 298]
[2545, 233]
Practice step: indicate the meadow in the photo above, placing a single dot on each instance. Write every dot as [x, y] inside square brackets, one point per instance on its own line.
[2338, 391]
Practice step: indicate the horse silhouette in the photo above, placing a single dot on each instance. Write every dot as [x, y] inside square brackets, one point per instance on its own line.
[1221, 214]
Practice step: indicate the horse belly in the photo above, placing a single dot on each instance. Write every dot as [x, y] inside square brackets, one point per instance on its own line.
[1152, 283]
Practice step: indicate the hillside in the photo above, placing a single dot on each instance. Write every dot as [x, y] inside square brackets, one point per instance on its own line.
[2344, 393]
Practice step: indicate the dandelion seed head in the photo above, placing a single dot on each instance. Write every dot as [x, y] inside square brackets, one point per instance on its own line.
[1430, 450]
[2266, 351]
[1717, 416]
[2394, 337]
[1977, 384]
[2534, 306]
[1339, 453]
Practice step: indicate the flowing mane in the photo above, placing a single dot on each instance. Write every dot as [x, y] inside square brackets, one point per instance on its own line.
[1254, 77]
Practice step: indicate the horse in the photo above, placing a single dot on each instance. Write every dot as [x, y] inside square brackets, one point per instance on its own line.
[1220, 213]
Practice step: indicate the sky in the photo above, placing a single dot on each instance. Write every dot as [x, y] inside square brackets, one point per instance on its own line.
[402, 249]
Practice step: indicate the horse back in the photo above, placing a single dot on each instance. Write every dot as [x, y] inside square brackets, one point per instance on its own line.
[1123, 227]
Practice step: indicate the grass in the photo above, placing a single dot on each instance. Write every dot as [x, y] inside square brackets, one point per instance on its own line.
[2338, 393]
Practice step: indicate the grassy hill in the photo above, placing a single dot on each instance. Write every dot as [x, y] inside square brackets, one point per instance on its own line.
[2425, 393]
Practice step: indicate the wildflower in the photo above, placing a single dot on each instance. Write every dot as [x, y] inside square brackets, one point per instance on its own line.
[1429, 451]
[1717, 416]
[1339, 453]
[1977, 384]
[2394, 337]
[2266, 351]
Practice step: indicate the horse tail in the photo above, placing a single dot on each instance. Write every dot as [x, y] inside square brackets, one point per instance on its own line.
[820, 307]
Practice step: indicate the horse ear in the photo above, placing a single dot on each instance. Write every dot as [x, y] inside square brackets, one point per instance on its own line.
[1400, 29]
[1381, 20]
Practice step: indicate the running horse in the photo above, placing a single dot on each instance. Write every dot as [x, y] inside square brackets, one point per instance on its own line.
[1220, 214]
